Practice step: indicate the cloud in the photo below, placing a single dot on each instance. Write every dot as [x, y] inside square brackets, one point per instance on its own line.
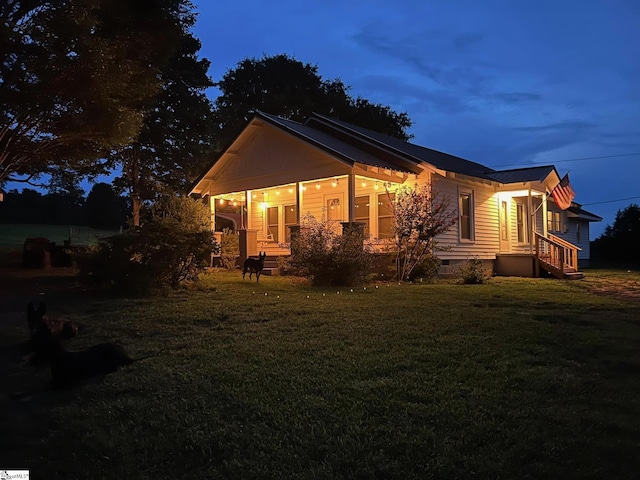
[517, 97]
[558, 128]
[461, 42]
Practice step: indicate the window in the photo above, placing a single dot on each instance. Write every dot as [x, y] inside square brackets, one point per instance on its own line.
[385, 215]
[521, 222]
[362, 212]
[554, 221]
[272, 223]
[290, 218]
[465, 207]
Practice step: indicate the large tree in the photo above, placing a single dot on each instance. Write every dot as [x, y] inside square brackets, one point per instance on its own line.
[175, 140]
[619, 242]
[284, 86]
[76, 77]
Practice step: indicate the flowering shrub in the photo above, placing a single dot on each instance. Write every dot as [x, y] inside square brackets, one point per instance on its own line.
[420, 214]
[321, 254]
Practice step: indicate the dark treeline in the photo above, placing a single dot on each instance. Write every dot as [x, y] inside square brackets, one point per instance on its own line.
[102, 208]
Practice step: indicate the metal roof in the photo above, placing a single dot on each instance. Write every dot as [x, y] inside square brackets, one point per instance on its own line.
[517, 175]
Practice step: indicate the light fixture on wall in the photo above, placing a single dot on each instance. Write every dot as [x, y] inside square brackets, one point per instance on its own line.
[375, 187]
[304, 188]
[253, 196]
[334, 183]
[277, 191]
[364, 183]
[221, 201]
[290, 188]
[318, 185]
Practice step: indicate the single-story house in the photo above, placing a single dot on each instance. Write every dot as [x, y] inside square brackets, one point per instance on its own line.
[277, 170]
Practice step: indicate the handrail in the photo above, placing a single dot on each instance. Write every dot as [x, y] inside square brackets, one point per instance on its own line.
[563, 242]
[556, 254]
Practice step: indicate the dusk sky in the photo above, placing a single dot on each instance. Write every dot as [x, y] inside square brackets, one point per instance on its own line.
[504, 83]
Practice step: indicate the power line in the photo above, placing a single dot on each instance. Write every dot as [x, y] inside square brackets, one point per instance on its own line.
[610, 201]
[570, 160]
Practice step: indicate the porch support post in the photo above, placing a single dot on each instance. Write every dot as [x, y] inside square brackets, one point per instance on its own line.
[298, 202]
[545, 231]
[248, 243]
[531, 221]
[212, 208]
[248, 195]
[351, 197]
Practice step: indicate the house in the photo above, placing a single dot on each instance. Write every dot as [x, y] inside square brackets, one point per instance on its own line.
[278, 170]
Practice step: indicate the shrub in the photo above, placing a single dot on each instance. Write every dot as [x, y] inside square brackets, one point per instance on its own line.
[426, 270]
[229, 249]
[326, 257]
[171, 248]
[420, 214]
[472, 271]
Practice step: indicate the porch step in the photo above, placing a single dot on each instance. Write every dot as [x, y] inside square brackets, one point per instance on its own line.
[573, 275]
[271, 271]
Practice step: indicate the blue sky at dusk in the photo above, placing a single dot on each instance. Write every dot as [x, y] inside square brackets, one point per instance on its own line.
[505, 83]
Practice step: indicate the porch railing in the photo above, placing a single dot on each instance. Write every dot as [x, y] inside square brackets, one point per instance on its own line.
[556, 255]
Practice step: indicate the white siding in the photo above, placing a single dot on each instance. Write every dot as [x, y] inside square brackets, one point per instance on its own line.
[485, 243]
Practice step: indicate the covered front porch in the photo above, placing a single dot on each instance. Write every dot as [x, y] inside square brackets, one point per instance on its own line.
[530, 241]
[264, 216]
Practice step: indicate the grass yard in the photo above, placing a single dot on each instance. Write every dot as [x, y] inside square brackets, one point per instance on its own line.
[12, 236]
[519, 378]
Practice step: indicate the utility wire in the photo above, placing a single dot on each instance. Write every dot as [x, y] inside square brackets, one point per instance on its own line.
[610, 201]
[568, 160]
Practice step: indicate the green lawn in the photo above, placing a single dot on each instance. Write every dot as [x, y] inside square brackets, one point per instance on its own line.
[519, 378]
[12, 236]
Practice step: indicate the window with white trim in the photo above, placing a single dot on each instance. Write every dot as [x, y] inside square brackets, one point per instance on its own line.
[465, 214]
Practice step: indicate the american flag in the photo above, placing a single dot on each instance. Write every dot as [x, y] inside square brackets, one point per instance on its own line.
[563, 194]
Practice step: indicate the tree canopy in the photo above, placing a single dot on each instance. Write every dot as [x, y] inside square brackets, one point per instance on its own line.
[619, 242]
[76, 77]
[284, 86]
[175, 139]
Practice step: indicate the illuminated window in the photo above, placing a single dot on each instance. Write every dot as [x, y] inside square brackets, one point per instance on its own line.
[554, 221]
[465, 207]
[385, 215]
[290, 218]
[272, 223]
[362, 212]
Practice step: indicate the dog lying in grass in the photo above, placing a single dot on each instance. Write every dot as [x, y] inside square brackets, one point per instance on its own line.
[69, 368]
[43, 330]
[254, 265]
[37, 319]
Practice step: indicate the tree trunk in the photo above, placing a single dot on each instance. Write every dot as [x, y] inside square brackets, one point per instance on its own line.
[134, 177]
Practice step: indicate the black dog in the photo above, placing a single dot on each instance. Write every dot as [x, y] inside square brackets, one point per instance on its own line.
[38, 319]
[252, 265]
[69, 368]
